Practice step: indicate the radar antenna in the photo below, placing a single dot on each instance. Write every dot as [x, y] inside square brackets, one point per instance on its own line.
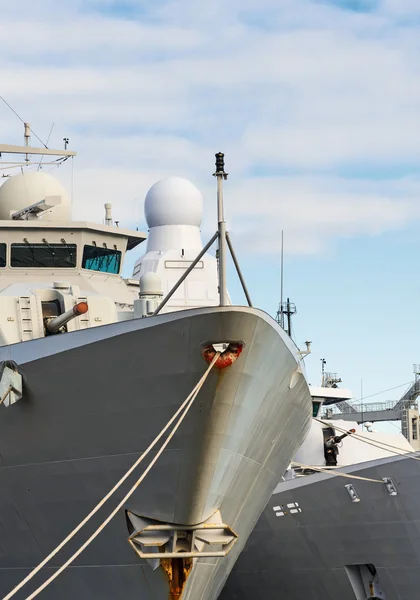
[287, 309]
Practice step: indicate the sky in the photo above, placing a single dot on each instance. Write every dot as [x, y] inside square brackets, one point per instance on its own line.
[316, 105]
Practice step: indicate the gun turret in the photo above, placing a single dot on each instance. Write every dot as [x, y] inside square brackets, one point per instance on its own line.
[55, 324]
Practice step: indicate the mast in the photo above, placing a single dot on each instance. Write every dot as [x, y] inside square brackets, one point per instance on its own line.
[221, 176]
[224, 244]
[27, 136]
[286, 308]
[289, 318]
[281, 282]
[323, 363]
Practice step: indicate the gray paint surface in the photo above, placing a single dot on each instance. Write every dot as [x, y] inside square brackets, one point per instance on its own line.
[303, 556]
[95, 399]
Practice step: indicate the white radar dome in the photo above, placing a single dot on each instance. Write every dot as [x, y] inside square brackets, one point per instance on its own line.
[173, 201]
[27, 188]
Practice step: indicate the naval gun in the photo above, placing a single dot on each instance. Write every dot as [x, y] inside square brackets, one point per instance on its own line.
[331, 447]
[55, 324]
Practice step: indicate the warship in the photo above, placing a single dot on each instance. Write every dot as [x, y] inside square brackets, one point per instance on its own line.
[95, 369]
[343, 522]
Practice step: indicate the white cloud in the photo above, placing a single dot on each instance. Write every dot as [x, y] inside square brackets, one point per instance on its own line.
[293, 91]
[93, 33]
[316, 210]
[400, 7]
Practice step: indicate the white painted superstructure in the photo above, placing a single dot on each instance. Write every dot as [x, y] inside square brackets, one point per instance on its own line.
[36, 229]
[49, 263]
[174, 211]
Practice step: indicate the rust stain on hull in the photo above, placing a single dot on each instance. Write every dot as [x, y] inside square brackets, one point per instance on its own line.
[226, 358]
[177, 571]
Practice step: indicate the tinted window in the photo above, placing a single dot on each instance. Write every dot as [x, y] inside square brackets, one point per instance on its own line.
[2, 255]
[43, 255]
[315, 408]
[106, 260]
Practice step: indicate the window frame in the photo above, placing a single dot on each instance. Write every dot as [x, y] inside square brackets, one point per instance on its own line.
[36, 245]
[101, 249]
[5, 255]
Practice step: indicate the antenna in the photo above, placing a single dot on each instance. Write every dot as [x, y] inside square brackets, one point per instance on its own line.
[323, 363]
[281, 281]
[27, 137]
[285, 308]
[221, 176]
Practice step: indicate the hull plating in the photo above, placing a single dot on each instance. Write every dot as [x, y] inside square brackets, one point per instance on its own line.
[95, 399]
[314, 553]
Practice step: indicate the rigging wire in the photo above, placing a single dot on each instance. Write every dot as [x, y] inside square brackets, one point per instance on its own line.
[376, 444]
[20, 118]
[383, 391]
[48, 139]
[186, 405]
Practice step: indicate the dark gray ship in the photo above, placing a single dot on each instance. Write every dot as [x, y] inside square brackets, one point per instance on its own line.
[351, 533]
[87, 383]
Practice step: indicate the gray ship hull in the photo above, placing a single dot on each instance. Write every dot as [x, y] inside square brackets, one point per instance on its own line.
[321, 548]
[95, 399]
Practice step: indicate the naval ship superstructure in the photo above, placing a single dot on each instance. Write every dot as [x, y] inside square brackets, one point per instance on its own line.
[342, 523]
[92, 367]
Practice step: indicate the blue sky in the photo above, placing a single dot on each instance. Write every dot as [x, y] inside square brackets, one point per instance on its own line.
[316, 105]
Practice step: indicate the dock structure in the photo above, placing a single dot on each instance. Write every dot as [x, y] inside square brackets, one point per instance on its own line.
[405, 410]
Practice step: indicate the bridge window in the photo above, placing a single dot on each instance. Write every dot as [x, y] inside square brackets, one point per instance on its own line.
[2, 255]
[43, 255]
[105, 260]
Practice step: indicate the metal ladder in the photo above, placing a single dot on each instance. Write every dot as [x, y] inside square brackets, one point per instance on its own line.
[25, 314]
[404, 422]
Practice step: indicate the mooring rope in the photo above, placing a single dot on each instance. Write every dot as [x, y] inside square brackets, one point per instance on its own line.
[376, 444]
[186, 405]
[334, 472]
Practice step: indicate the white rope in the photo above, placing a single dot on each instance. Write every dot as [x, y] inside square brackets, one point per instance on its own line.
[375, 443]
[193, 396]
[185, 405]
[338, 473]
